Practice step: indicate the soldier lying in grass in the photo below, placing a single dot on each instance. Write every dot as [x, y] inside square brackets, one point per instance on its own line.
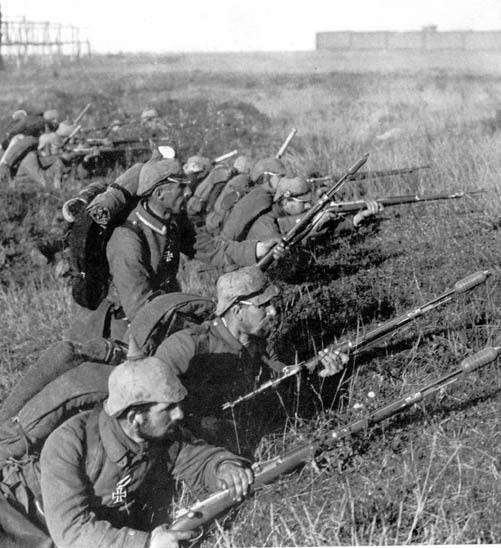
[105, 476]
[225, 357]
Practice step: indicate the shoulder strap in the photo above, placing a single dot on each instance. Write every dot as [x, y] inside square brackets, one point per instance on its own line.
[129, 225]
[202, 339]
[126, 194]
[95, 450]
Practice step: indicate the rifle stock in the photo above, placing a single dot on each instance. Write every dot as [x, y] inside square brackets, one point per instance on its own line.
[357, 205]
[298, 229]
[205, 511]
[355, 347]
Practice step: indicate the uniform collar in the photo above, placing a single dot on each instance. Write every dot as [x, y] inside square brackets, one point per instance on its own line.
[118, 447]
[148, 218]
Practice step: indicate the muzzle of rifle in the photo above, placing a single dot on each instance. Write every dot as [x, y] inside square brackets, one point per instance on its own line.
[471, 281]
[479, 359]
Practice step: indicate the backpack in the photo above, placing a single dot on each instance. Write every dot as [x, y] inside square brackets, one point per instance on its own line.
[76, 390]
[251, 206]
[208, 190]
[87, 242]
[66, 383]
[166, 314]
[235, 189]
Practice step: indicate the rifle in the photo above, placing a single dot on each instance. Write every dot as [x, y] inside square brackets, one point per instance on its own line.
[202, 512]
[355, 347]
[82, 114]
[71, 135]
[369, 174]
[296, 233]
[286, 143]
[349, 207]
[224, 157]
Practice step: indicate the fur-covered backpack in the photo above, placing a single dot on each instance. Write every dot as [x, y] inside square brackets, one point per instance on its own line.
[87, 239]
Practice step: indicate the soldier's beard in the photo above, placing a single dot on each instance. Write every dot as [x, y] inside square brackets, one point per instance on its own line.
[150, 433]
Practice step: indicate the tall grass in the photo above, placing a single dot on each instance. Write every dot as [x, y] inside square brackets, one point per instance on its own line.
[431, 475]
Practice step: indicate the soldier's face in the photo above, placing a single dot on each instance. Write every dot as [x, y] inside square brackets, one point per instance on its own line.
[295, 205]
[160, 421]
[173, 196]
[257, 320]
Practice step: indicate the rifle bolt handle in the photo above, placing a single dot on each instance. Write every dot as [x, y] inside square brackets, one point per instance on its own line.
[481, 358]
[471, 281]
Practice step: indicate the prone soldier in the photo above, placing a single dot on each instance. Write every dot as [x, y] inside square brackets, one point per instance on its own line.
[143, 253]
[22, 138]
[292, 198]
[224, 357]
[105, 476]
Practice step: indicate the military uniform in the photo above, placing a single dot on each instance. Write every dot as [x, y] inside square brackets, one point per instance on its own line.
[272, 225]
[257, 202]
[94, 486]
[214, 366]
[100, 488]
[237, 187]
[46, 171]
[145, 259]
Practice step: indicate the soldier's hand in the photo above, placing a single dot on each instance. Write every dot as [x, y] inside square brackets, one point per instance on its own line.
[333, 362]
[263, 247]
[371, 208]
[322, 218]
[163, 537]
[235, 477]
[72, 208]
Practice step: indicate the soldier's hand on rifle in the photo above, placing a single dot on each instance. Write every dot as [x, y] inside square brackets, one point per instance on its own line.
[236, 477]
[322, 218]
[72, 208]
[67, 156]
[372, 207]
[163, 537]
[333, 362]
[263, 247]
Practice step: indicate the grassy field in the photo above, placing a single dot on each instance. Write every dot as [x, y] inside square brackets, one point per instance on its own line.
[431, 475]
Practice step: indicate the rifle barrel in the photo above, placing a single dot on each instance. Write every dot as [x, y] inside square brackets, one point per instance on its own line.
[370, 174]
[298, 228]
[82, 113]
[361, 343]
[204, 511]
[286, 143]
[224, 157]
[348, 207]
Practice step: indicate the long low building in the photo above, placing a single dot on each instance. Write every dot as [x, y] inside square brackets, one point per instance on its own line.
[429, 38]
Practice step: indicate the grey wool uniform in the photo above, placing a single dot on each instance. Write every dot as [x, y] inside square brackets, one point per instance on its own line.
[100, 488]
[145, 260]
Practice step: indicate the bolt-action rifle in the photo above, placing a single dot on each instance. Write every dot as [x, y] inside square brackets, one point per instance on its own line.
[224, 157]
[286, 143]
[357, 205]
[82, 113]
[369, 174]
[296, 233]
[356, 346]
[266, 472]
[76, 124]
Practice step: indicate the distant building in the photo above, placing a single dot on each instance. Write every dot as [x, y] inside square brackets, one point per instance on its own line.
[428, 38]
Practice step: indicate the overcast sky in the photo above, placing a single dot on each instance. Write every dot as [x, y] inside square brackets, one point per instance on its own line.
[246, 25]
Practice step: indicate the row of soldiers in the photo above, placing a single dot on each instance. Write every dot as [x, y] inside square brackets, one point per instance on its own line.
[38, 148]
[104, 476]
